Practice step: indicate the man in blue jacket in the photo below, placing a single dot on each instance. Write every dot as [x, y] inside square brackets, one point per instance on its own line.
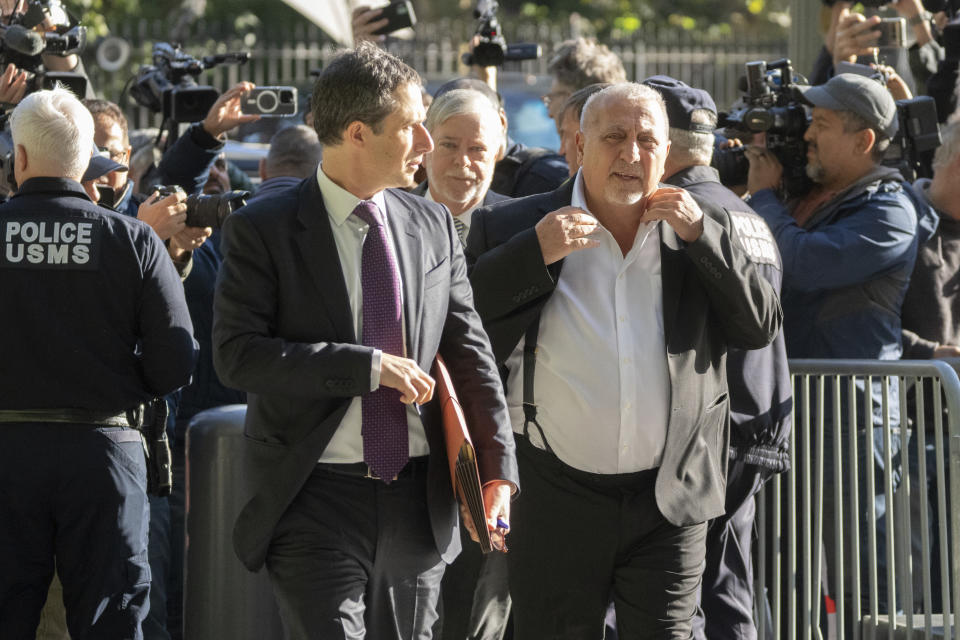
[848, 248]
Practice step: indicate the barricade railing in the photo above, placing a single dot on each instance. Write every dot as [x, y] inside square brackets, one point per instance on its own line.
[879, 439]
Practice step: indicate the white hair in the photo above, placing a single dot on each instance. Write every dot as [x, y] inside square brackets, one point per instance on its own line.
[693, 148]
[459, 102]
[56, 131]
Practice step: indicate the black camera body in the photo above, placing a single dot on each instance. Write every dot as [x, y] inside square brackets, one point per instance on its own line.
[772, 106]
[918, 136]
[207, 210]
[169, 86]
[492, 49]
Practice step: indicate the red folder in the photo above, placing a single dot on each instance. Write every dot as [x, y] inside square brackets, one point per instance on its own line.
[462, 457]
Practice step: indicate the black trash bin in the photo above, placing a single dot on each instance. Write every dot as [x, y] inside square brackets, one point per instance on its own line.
[222, 599]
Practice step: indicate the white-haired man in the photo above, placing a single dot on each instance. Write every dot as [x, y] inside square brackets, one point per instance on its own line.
[621, 438]
[467, 133]
[95, 325]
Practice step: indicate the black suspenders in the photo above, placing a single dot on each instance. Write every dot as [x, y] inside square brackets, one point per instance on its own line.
[529, 368]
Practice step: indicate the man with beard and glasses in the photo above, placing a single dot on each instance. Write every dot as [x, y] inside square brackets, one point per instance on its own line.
[848, 248]
[622, 296]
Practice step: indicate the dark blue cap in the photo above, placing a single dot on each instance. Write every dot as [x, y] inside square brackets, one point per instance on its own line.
[682, 100]
[100, 165]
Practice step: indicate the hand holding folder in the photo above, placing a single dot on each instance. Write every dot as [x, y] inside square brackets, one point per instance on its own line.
[462, 457]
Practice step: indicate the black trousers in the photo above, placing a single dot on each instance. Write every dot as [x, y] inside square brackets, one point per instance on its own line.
[727, 596]
[73, 495]
[579, 540]
[355, 558]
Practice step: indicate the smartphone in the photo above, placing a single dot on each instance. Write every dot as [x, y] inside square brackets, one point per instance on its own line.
[893, 32]
[270, 102]
[399, 15]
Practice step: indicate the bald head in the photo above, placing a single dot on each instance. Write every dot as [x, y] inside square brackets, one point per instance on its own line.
[627, 93]
[294, 151]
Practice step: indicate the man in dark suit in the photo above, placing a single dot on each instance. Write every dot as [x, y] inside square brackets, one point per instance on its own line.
[467, 133]
[622, 436]
[333, 300]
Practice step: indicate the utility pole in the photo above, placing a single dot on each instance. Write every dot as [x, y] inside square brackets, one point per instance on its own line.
[805, 37]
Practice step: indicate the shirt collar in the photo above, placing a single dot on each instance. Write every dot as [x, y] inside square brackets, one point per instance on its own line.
[339, 202]
[578, 199]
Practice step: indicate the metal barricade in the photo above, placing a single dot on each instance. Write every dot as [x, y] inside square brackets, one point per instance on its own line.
[867, 438]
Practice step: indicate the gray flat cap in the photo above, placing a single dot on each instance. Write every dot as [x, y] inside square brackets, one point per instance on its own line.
[863, 96]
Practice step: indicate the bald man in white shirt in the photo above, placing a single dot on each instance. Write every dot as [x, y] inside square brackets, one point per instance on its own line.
[622, 295]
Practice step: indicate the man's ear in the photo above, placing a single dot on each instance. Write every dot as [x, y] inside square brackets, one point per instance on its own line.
[356, 133]
[20, 160]
[866, 139]
[263, 169]
[580, 147]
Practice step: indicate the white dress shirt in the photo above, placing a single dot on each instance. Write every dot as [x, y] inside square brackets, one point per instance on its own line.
[349, 232]
[602, 386]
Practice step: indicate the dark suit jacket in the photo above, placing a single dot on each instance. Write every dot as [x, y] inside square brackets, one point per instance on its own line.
[713, 297]
[283, 332]
[489, 198]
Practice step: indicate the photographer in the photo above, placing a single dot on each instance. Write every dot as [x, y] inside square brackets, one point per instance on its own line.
[848, 248]
[72, 465]
[186, 163]
[853, 37]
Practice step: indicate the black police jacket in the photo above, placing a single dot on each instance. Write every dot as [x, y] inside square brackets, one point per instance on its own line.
[93, 310]
[761, 399]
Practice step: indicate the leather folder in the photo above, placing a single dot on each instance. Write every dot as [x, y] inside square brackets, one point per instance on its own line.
[462, 457]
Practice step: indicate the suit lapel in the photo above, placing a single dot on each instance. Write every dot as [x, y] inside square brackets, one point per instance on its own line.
[318, 250]
[672, 268]
[406, 239]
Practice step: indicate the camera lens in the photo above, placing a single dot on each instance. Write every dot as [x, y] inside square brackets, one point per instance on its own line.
[267, 102]
[286, 97]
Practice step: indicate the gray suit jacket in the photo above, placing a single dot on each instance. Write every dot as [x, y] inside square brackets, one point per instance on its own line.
[713, 297]
[283, 331]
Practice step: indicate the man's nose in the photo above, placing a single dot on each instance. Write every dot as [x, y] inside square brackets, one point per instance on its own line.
[630, 152]
[424, 143]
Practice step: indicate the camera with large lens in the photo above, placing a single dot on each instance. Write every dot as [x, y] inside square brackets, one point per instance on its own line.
[492, 49]
[208, 210]
[169, 86]
[23, 41]
[773, 106]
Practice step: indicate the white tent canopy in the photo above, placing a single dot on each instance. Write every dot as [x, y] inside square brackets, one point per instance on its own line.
[333, 16]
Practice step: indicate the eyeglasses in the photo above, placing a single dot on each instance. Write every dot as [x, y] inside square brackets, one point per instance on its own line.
[554, 96]
[117, 155]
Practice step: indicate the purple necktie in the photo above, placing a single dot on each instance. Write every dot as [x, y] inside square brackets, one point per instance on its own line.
[383, 416]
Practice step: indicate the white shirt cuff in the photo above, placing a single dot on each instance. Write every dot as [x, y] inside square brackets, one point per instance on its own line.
[375, 369]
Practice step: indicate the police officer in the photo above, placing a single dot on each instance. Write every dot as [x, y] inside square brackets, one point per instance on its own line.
[760, 403]
[94, 324]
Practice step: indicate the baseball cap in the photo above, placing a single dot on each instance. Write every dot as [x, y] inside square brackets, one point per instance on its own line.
[682, 100]
[100, 165]
[862, 95]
